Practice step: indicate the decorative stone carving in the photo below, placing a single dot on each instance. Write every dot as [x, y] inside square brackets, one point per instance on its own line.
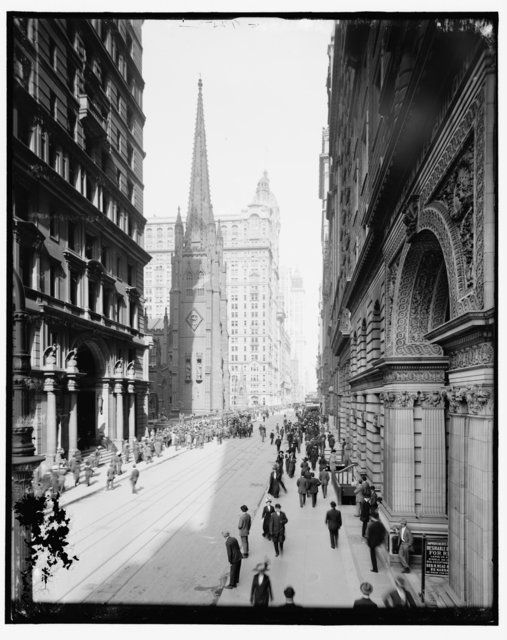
[118, 367]
[414, 376]
[391, 290]
[431, 399]
[452, 181]
[398, 399]
[466, 232]
[410, 216]
[478, 399]
[194, 319]
[49, 356]
[345, 322]
[375, 420]
[458, 190]
[475, 355]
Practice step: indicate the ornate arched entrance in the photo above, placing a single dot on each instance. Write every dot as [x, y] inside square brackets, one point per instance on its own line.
[415, 460]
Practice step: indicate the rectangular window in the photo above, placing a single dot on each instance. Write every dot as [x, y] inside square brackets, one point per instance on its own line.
[103, 256]
[74, 282]
[130, 274]
[89, 246]
[53, 280]
[118, 267]
[53, 224]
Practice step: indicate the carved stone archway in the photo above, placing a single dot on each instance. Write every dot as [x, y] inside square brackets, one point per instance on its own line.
[424, 299]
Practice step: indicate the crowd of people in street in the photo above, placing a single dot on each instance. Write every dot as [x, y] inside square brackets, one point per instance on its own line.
[317, 469]
[186, 434]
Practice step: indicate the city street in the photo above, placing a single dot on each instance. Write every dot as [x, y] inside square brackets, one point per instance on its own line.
[164, 544]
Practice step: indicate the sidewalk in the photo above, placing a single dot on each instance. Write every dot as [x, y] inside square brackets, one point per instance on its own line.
[320, 576]
[74, 494]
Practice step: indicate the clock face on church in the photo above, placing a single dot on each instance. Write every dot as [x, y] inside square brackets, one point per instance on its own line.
[194, 319]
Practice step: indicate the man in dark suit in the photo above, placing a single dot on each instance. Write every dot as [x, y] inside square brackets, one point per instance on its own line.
[234, 556]
[277, 529]
[365, 600]
[313, 488]
[266, 517]
[334, 522]
[375, 536]
[302, 485]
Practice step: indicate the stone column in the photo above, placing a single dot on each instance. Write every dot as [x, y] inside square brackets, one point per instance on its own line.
[49, 388]
[399, 452]
[433, 472]
[373, 452]
[132, 410]
[72, 387]
[103, 415]
[118, 436]
[457, 458]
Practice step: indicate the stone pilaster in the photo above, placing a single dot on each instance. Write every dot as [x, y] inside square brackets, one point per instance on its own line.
[118, 390]
[433, 471]
[132, 410]
[51, 427]
[72, 387]
[399, 452]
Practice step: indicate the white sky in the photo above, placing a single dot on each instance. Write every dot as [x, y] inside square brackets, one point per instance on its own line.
[265, 103]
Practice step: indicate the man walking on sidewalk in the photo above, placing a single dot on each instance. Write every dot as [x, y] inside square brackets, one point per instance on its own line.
[313, 489]
[245, 522]
[375, 536]
[324, 481]
[405, 541]
[277, 529]
[334, 523]
[134, 476]
[234, 557]
[302, 485]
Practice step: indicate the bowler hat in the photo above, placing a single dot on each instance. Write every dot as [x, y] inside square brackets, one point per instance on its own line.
[366, 588]
[244, 507]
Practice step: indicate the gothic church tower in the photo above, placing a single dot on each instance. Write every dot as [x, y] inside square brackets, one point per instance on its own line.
[200, 340]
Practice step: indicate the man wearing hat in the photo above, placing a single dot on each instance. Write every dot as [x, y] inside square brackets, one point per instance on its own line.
[234, 556]
[266, 517]
[375, 536]
[334, 523]
[289, 594]
[405, 542]
[261, 593]
[365, 600]
[245, 522]
[277, 528]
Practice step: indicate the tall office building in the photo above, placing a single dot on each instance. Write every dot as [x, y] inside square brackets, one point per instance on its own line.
[159, 243]
[198, 316]
[255, 319]
[80, 356]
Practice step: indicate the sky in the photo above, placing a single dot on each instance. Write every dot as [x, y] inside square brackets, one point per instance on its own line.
[265, 104]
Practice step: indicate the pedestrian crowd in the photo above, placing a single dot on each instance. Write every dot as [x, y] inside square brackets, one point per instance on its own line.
[308, 434]
[187, 434]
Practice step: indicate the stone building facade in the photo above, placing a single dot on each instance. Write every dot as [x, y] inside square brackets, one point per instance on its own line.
[409, 307]
[251, 252]
[198, 311]
[77, 218]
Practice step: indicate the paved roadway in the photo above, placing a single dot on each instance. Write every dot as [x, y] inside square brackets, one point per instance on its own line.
[164, 544]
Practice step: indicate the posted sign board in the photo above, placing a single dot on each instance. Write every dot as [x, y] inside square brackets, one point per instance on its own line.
[436, 557]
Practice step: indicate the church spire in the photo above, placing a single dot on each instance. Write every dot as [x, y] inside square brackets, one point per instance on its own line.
[200, 212]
